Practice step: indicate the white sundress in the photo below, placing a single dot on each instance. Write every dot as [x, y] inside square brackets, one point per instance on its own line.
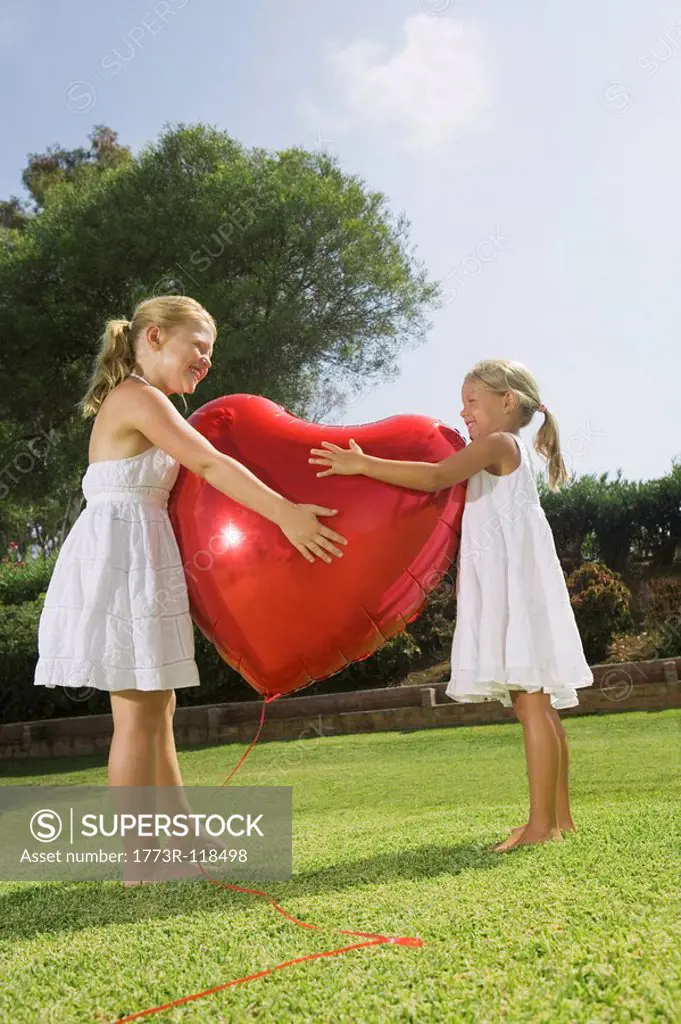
[515, 628]
[116, 613]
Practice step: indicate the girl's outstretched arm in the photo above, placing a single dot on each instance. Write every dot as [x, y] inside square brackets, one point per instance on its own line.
[146, 410]
[483, 453]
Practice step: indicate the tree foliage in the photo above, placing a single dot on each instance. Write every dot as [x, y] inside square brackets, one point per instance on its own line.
[310, 277]
[57, 165]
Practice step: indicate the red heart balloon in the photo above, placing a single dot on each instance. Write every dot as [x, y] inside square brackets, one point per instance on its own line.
[283, 622]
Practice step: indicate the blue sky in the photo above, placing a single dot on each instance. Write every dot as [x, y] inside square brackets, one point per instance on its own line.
[533, 146]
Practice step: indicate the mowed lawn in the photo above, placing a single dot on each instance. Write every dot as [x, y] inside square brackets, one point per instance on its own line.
[391, 835]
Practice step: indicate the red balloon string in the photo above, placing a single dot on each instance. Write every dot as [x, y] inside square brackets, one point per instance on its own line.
[371, 939]
[253, 742]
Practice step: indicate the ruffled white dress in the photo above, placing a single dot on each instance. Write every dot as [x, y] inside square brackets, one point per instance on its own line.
[515, 628]
[116, 613]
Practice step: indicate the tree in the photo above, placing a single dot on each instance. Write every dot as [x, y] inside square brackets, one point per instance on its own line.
[311, 279]
[12, 214]
[57, 165]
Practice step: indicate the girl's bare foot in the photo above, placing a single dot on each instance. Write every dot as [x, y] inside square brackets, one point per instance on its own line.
[527, 837]
[568, 826]
[134, 879]
[188, 854]
[203, 842]
[138, 873]
[166, 872]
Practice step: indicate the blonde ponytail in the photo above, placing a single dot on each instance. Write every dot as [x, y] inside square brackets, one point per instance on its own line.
[117, 350]
[502, 375]
[547, 444]
[115, 361]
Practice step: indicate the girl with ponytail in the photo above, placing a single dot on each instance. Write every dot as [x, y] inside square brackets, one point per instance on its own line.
[516, 639]
[116, 613]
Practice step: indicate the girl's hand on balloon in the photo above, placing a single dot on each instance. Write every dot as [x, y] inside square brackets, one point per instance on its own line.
[301, 526]
[340, 461]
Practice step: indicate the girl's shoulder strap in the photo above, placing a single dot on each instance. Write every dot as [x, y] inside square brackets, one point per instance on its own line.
[520, 443]
[525, 457]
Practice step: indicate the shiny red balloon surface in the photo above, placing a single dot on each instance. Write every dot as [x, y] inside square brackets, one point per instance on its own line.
[283, 622]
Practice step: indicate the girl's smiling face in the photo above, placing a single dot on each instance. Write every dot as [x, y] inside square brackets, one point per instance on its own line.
[485, 411]
[181, 356]
[193, 343]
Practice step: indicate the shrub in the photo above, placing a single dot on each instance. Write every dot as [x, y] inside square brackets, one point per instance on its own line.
[24, 581]
[601, 603]
[19, 699]
[660, 598]
[660, 603]
[626, 647]
[433, 629]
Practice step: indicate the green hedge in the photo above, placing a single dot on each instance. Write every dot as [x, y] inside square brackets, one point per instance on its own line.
[21, 700]
[618, 522]
[425, 640]
[600, 600]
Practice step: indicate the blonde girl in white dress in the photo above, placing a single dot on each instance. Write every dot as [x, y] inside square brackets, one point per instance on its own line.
[515, 638]
[116, 613]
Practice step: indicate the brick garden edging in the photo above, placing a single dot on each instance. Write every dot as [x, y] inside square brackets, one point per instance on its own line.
[635, 686]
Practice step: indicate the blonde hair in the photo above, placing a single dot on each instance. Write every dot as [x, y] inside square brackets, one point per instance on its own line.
[502, 375]
[116, 356]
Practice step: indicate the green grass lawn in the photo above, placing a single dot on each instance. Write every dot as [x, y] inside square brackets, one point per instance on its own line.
[390, 835]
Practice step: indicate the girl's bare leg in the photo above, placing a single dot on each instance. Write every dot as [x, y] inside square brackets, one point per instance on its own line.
[542, 751]
[166, 767]
[137, 717]
[167, 774]
[565, 821]
[172, 799]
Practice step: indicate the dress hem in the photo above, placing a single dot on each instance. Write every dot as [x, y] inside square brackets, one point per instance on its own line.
[71, 674]
[491, 690]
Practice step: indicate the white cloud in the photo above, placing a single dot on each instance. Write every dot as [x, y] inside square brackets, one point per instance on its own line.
[435, 85]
